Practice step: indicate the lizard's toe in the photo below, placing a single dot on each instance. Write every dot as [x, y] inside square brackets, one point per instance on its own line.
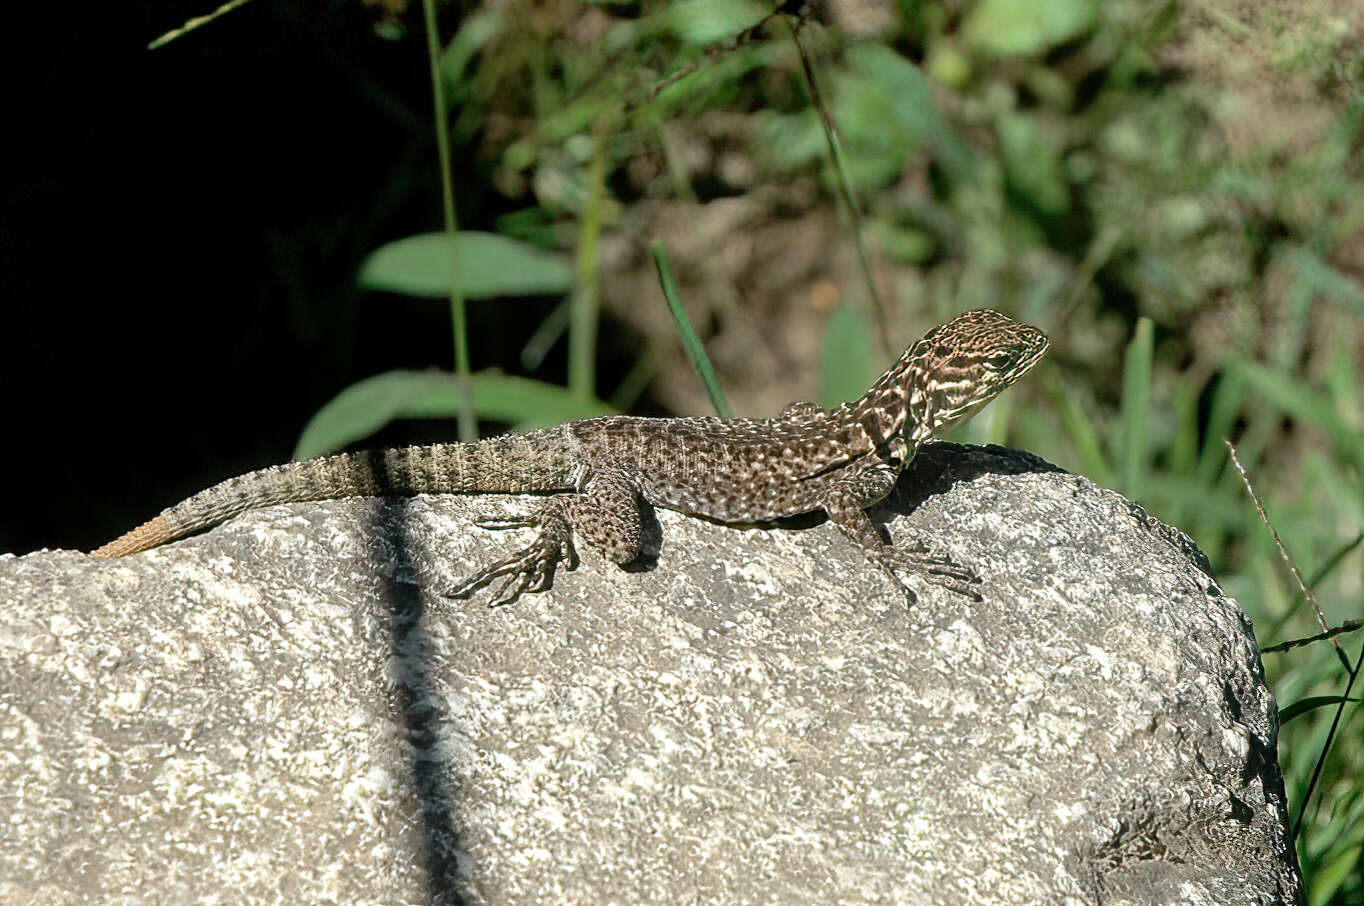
[938, 569]
[528, 570]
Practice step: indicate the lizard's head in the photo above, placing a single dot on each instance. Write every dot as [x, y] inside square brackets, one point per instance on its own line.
[963, 364]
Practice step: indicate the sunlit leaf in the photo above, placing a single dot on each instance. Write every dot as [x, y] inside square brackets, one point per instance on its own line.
[709, 21]
[909, 96]
[1330, 877]
[1302, 402]
[475, 31]
[364, 407]
[1016, 27]
[1319, 277]
[1083, 432]
[481, 265]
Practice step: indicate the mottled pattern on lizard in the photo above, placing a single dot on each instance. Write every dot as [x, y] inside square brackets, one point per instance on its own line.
[806, 459]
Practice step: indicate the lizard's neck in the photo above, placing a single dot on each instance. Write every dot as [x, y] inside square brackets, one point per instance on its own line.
[895, 408]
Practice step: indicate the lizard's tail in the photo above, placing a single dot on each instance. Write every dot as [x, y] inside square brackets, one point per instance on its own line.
[149, 534]
[512, 463]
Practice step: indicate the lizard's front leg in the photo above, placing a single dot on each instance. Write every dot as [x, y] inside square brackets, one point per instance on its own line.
[846, 503]
[605, 514]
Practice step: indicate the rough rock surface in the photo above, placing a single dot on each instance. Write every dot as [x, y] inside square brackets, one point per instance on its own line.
[283, 709]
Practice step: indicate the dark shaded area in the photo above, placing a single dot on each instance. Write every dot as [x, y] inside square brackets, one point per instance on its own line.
[939, 465]
[179, 230]
[421, 705]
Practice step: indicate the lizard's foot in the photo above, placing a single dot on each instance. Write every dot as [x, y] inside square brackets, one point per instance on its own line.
[935, 568]
[528, 570]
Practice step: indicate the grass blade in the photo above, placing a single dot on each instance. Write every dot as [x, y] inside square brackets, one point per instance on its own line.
[1352, 671]
[1326, 747]
[191, 24]
[1305, 705]
[1136, 404]
[1342, 629]
[1322, 573]
[691, 343]
[1287, 556]
[1081, 430]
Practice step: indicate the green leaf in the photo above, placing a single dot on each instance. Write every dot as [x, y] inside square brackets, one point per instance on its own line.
[788, 140]
[1016, 27]
[364, 407]
[1031, 163]
[480, 265]
[1165, 490]
[507, 398]
[1303, 705]
[709, 21]
[847, 353]
[1227, 397]
[475, 31]
[909, 98]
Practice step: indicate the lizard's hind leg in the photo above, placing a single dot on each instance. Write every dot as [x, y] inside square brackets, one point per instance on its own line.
[606, 515]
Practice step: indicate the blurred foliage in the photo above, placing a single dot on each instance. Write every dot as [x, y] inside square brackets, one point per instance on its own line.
[1173, 190]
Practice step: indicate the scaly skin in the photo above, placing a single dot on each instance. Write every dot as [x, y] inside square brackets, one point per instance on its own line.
[841, 461]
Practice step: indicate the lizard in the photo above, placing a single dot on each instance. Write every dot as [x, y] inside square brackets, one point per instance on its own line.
[731, 470]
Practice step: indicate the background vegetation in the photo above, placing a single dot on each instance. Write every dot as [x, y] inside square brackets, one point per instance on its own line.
[1172, 189]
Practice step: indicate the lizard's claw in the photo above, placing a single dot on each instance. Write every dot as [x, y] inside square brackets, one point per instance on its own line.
[531, 569]
[935, 568]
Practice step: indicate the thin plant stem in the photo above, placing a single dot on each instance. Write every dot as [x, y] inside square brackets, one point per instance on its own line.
[845, 189]
[191, 24]
[1326, 747]
[546, 335]
[467, 424]
[1288, 557]
[635, 382]
[583, 312]
[1351, 670]
[1347, 626]
[1317, 578]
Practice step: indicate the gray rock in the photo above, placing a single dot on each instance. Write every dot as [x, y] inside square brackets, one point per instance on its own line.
[284, 709]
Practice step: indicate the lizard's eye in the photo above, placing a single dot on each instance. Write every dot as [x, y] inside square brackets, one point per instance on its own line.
[999, 361]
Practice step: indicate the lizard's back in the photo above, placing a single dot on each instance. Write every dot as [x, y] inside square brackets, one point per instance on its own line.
[733, 470]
